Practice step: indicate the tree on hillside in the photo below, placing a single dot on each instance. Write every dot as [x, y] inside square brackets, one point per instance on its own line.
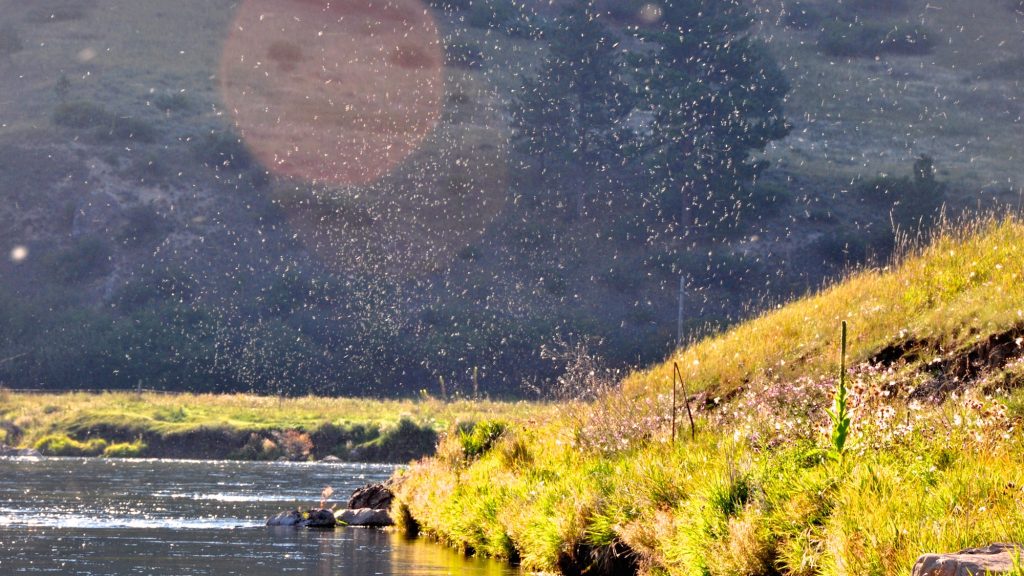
[570, 113]
[716, 95]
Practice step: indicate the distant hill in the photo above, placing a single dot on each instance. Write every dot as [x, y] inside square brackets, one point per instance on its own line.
[152, 238]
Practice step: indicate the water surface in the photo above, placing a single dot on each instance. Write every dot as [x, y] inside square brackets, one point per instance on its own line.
[99, 517]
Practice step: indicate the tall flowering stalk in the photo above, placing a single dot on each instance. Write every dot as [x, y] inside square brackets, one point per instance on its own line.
[840, 412]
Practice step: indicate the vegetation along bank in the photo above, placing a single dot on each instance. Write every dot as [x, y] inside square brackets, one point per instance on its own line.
[236, 426]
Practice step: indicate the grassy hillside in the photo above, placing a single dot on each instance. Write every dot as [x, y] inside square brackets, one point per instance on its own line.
[933, 462]
[145, 223]
[235, 426]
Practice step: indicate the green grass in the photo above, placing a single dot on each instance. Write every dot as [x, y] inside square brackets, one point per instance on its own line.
[756, 493]
[238, 426]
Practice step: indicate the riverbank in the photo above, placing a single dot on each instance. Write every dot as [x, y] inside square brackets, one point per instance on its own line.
[236, 426]
[933, 460]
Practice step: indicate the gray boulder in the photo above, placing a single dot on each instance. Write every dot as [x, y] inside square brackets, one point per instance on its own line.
[290, 518]
[364, 517]
[993, 559]
[376, 496]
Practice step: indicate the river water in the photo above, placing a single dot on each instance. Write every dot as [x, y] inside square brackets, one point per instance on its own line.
[118, 517]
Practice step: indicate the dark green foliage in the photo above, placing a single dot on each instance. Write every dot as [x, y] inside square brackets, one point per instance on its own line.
[572, 111]
[162, 284]
[224, 149]
[866, 39]
[910, 202]
[86, 259]
[405, 441]
[81, 114]
[717, 96]
[141, 226]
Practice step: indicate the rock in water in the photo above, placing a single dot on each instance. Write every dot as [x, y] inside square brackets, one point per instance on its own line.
[375, 496]
[364, 517]
[290, 518]
[320, 518]
[992, 559]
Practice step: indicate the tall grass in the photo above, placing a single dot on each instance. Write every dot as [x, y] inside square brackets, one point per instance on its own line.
[756, 494]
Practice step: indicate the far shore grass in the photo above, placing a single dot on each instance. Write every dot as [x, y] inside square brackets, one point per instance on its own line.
[239, 426]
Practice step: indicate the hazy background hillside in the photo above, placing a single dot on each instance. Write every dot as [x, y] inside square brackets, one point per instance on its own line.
[183, 207]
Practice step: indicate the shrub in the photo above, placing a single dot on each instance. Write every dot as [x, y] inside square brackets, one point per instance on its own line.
[142, 225]
[87, 259]
[63, 445]
[81, 114]
[867, 39]
[224, 149]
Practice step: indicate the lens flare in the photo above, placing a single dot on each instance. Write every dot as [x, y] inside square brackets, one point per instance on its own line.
[334, 93]
[19, 254]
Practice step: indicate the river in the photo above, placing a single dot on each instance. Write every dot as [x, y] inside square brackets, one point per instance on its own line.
[118, 517]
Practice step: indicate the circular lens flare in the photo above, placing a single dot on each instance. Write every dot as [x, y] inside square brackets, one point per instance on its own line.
[19, 254]
[337, 92]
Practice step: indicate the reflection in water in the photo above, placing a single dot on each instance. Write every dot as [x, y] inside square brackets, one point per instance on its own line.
[81, 516]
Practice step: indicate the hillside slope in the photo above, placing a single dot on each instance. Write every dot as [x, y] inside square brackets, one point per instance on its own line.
[933, 461]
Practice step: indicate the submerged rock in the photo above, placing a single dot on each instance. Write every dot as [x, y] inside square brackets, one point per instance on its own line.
[993, 559]
[330, 458]
[364, 517]
[375, 496]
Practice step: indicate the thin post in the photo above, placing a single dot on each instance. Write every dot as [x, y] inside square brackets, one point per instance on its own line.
[679, 316]
[673, 408]
[686, 398]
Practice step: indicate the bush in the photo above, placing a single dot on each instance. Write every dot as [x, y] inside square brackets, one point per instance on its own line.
[864, 39]
[224, 149]
[142, 225]
[87, 259]
[63, 445]
[81, 114]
